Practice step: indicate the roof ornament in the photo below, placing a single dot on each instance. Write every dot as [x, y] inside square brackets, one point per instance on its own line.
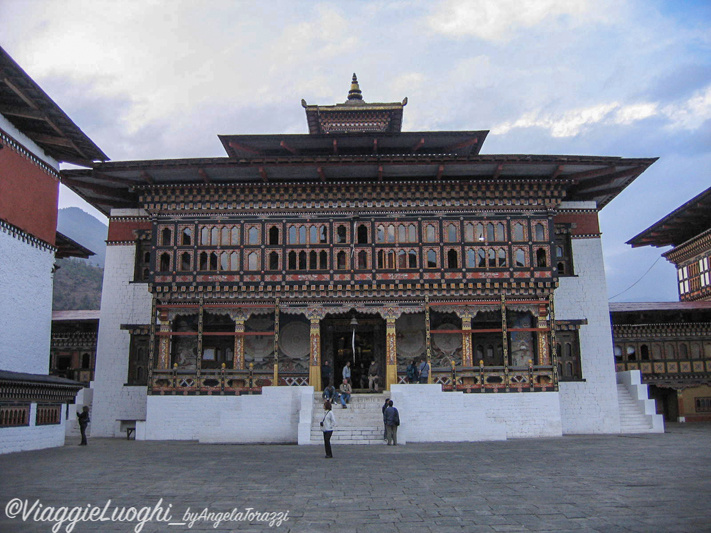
[354, 93]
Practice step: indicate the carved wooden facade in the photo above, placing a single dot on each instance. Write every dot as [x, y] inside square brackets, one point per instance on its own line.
[356, 242]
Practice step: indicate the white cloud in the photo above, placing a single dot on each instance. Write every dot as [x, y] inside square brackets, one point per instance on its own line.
[500, 20]
[690, 114]
[687, 115]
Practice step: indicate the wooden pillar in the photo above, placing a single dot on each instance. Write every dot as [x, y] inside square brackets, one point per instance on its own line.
[467, 353]
[543, 353]
[390, 349]
[505, 341]
[164, 341]
[275, 380]
[315, 316]
[198, 361]
[428, 338]
[554, 349]
[238, 358]
[467, 348]
[151, 344]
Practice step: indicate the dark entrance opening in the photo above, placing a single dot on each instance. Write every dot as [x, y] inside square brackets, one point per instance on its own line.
[667, 401]
[337, 346]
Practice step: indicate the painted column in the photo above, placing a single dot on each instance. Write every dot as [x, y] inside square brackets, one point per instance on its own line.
[238, 358]
[198, 362]
[467, 351]
[505, 341]
[554, 351]
[275, 380]
[390, 349]
[428, 339]
[543, 353]
[467, 354]
[164, 341]
[315, 316]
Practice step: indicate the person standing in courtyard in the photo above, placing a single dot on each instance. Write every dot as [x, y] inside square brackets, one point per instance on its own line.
[392, 421]
[327, 425]
[424, 371]
[83, 419]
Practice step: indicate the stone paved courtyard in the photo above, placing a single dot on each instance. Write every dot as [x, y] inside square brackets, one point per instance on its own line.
[639, 483]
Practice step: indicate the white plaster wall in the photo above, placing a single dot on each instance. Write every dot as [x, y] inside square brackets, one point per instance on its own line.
[427, 414]
[32, 437]
[270, 417]
[25, 305]
[589, 406]
[122, 302]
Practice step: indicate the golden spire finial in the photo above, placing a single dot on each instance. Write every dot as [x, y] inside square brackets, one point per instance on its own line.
[354, 93]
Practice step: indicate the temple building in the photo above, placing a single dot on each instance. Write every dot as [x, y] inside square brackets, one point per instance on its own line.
[35, 137]
[670, 342]
[230, 281]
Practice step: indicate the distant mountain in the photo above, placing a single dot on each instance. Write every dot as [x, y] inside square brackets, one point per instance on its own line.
[85, 229]
[77, 285]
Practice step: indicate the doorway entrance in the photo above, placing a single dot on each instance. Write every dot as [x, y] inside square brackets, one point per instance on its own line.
[338, 343]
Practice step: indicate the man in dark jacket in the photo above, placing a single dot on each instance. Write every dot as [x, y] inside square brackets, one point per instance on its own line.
[83, 419]
[392, 421]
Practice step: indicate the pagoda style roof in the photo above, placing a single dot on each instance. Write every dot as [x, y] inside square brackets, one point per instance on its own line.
[67, 247]
[636, 307]
[30, 110]
[354, 115]
[682, 224]
[248, 147]
[75, 315]
[588, 178]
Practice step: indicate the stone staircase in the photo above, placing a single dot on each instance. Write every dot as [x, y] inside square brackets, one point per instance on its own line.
[361, 423]
[632, 419]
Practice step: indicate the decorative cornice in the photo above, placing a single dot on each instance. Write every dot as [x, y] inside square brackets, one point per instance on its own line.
[23, 236]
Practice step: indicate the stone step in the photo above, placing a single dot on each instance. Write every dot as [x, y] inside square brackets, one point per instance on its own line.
[632, 420]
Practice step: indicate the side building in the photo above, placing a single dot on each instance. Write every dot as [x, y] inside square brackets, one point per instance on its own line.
[670, 342]
[35, 136]
[230, 281]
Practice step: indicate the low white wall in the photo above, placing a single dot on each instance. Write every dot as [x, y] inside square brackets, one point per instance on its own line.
[427, 414]
[32, 437]
[270, 417]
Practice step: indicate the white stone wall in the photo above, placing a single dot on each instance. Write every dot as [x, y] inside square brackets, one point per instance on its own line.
[270, 417]
[122, 302]
[589, 406]
[25, 305]
[32, 437]
[427, 414]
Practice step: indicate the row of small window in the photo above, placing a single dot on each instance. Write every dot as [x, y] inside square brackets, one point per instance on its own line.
[669, 350]
[385, 259]
[695, 276]
[13, 415]
[401, 232]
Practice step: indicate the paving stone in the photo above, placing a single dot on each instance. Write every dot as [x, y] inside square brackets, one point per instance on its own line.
[582, 483]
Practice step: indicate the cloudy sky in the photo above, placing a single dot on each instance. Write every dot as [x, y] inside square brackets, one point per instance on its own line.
[151, 79]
